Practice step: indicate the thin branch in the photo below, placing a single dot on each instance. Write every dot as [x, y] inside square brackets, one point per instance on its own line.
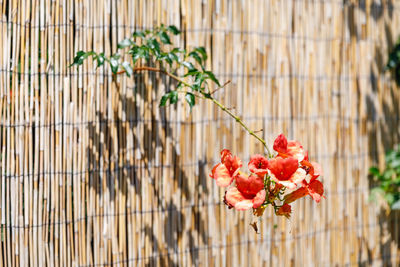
[225, 84]
[243, 125]
[207, 96]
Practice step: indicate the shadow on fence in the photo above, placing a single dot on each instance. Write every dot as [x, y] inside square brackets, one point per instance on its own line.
[382, 138]
[132, 177]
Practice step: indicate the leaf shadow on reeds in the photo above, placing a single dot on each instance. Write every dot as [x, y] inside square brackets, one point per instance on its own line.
[376, 8]
[383, 132]
[144, 170]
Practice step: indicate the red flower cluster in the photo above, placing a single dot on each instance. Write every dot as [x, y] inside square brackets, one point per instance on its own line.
[289, 170]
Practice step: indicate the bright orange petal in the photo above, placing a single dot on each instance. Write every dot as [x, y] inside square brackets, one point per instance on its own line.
[317, 169]
[249, 185]
[259, 199]
[316, 190]
[283, 168]
[258, 165]
[233, 196]
[280, 144]
[285, 210]
[295, 149]
[299, 193]
[221, 175]
[236, 199]
[225, 153]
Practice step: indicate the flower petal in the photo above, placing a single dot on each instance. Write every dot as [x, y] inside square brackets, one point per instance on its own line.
[299, 193]
[285, 210]
[316, 190]
[232, 163]
[280, 144]
[244, 204]
[225, 153]
[258, 165]
[298, 176]
[288, 184]
[283, 168]
[259, 199]
[249, 185]
[296, 179]
[221, 175]
[236, 199]
[295, 149]
[233, 196]
[317, 169]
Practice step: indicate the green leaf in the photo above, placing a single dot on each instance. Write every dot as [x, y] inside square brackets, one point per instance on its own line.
[80, 57]
[389, 197]
[374, 171]
[212, 77]
[134, 52]
[191, 73]
[114, 63]
[173, 56]
[171, 96]
[178, 50]
[127, 67]
[190, 99]
[198, 81]
[125, 43]
[164, 38]
[196, 56]
[154, 45]
[139, 34]
[377, 191]
[164, 56]
[188, 65]
[396, 205]
[391, 155]
[207, 95]
[174, 97]
[139, 52]
[388, 174]
[202, 52]
[395, 163]
[164, 99]
[173, 29]
[100, 60]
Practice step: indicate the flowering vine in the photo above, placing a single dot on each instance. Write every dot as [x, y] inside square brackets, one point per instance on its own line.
[276, 180]
[273, 180]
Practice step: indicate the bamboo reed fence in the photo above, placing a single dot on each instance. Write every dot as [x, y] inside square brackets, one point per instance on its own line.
[93, 175]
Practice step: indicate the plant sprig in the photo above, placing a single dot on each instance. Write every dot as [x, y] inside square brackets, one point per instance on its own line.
[388, 181]
[393, 63]
[152, 50]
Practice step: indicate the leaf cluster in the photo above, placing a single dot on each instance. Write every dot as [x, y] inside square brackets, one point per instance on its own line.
[154, 47]
[388, 181]
[393, 63]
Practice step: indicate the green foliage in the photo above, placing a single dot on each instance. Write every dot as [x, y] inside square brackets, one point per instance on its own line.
[154, 48]
[393, 63]
[172, 96]
[388, 181]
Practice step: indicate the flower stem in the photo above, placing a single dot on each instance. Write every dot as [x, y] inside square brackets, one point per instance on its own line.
[206, 96]
[238, 120]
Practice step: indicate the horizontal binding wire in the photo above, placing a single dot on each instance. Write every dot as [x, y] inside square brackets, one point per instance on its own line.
[149, 166]
[200, 164]
[350, 191]
[243, 243]
[310, 118]
[298, 76]
[201, 30]
[112, 215]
